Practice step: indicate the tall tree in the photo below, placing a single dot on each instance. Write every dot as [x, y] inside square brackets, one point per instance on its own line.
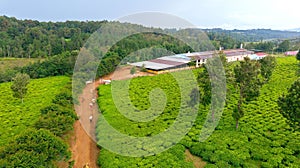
[212, 77]
[267, 66]
[284, 46]
[298, 58]
[205, 86]
[19, 85]
[289, 105]
[248, 83]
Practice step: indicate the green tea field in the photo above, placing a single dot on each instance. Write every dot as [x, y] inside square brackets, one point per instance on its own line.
[15, 117]
[264, 139]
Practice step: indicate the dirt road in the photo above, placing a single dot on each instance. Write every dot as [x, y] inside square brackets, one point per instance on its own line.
[83, 145]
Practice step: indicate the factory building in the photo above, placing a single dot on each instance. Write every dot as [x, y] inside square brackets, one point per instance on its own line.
[181, 61]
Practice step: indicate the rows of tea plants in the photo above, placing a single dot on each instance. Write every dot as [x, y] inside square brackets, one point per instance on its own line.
[15, 116]
[264, 139]
[139, 91]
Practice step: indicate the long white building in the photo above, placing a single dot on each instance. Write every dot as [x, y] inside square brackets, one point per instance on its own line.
[180, 61]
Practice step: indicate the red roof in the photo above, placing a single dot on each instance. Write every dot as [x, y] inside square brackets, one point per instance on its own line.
[291, 53]
[261, 54]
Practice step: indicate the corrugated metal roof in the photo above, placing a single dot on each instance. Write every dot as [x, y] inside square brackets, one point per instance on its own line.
[182, 59]
[153, 65]
[168, 62]
[171, 58]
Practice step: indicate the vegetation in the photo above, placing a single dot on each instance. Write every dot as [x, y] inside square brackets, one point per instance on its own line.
[246, 75]
[132, 70]
[268, 64]
[254, 35]
[268, 134]
[34, 148]
[264, 46]
[298, 58]
[29, 140]
[289, 104]
[11, 63]
[17, 117]
[284, 46]
[119, 52]
[140, 88]
[32, 39]
[58, 117]
[264, 139]
[19, 85]
[143, 68]
[62, 64]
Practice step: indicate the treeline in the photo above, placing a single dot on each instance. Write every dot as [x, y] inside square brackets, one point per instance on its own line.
[57, 65]
[274, 46]
[30, 38]
[119, 53]
[42, 145]
[254, 35]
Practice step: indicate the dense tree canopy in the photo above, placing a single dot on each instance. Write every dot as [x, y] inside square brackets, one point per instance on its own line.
[34, 149]
[298, 56]
[28, 38]
[289, 104]
[246, 75]
[267, 66]
[284, 46]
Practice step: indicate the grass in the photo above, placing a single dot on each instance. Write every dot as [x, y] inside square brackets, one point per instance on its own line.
[15, 117]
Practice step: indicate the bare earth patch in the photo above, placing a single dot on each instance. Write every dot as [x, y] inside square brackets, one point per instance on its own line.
[197, 161]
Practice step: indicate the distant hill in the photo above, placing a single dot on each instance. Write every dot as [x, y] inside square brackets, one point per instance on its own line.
[296, 30]
[256, 34]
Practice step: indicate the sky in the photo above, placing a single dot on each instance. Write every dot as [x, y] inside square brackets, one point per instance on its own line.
[228, 14]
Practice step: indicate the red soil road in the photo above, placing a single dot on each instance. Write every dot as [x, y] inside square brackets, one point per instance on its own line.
[83, 145]
[84, 148]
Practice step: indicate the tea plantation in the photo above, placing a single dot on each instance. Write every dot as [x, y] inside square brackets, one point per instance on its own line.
[264, 139]
[15, 117]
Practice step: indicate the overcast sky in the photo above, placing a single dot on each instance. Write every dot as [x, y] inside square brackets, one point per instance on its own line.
[242, 14]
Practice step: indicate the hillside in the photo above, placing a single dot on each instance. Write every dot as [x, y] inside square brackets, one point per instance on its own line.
[264, 138]
[255, 34]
